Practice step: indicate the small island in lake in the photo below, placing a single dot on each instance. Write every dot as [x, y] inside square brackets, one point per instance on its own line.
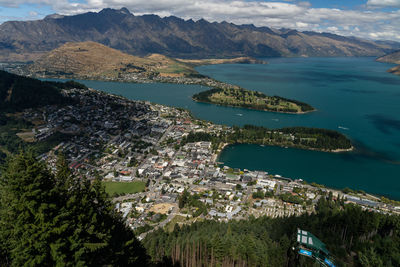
[239, 97]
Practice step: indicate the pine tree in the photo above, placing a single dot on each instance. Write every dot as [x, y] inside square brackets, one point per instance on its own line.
[28, 207]
[60, 220]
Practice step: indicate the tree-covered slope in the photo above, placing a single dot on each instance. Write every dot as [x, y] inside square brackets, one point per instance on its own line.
[17, 92]
[355, 237]
[57, 219]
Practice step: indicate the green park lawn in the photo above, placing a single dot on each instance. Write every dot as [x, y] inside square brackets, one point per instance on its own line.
[124, 187]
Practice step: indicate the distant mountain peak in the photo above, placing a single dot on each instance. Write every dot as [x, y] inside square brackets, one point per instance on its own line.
[54, 16]
[202, 21]
[124, 10]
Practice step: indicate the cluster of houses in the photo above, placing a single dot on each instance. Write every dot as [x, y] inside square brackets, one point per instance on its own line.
[122, 140]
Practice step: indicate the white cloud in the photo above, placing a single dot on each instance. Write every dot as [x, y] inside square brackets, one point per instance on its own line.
[365, 23]
[384, 3]
[332, 29]
[301, 25]
[17, 3]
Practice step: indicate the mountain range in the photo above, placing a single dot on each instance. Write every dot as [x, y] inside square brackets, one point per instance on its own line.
[175, 37]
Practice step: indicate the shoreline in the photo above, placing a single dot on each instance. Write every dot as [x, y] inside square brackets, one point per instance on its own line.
[341, 150]
[368, 195]
[338, 150]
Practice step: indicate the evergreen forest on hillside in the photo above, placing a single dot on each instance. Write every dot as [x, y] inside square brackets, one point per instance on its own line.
[58, 219]
[355, 237]
[18, 92]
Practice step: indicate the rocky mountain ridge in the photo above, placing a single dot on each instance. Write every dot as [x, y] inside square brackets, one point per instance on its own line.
[172, 36]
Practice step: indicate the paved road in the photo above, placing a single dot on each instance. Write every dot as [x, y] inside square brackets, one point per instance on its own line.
[129, 196]
[278, 189]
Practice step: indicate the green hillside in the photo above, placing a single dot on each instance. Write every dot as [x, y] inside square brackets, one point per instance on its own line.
[17, 92]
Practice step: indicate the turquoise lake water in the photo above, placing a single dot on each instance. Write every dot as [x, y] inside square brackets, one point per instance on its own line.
[355, 96]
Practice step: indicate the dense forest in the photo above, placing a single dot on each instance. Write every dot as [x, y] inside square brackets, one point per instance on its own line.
[239, 97]
[355, 237]
[56, 219]
[300, 137]
[17, 92]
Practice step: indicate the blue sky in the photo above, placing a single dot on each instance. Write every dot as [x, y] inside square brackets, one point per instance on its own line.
[371, 19]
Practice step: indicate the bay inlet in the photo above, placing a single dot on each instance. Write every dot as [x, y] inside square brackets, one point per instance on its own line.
[355, 96]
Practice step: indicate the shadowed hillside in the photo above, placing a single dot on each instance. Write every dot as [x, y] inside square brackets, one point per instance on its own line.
[17, 92]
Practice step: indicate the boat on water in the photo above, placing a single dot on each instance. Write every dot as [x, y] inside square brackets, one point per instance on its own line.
[344, 128]
[239, 114]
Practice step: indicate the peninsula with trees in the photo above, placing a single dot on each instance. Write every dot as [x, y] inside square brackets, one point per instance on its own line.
[296, 137]
[239, 97]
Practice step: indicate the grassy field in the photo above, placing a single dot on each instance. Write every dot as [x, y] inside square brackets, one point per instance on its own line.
[124, 188]
[27, 136]
[176, 69]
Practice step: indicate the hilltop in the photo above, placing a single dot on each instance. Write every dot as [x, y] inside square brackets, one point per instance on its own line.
[174, 37]
[392, 58]
[91, 60]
